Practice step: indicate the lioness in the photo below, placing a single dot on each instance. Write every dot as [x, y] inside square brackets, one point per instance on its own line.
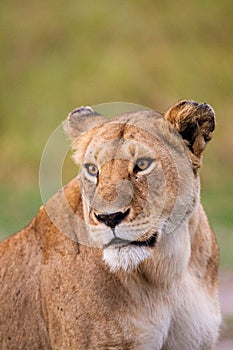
[123, 257]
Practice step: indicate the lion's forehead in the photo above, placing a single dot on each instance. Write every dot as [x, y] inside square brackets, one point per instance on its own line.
[128, 141]
[118, 149]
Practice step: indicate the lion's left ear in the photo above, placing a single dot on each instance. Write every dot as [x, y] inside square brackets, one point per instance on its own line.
[81, 120]
[195, 122]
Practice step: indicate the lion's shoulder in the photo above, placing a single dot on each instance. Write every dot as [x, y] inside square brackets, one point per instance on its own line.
[204, 258]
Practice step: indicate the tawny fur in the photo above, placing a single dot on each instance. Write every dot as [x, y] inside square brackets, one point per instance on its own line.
[58, 294]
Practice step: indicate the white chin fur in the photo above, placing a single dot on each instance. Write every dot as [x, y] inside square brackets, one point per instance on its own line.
[126, 258]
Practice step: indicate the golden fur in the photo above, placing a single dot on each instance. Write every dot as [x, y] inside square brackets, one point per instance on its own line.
[66, 284]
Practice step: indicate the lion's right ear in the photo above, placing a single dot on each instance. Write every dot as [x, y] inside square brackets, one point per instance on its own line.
[81, 120]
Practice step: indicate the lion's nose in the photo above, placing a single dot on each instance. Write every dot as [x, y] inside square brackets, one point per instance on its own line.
[112, 219]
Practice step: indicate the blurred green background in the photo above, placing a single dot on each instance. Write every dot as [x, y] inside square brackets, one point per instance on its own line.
[58, 55]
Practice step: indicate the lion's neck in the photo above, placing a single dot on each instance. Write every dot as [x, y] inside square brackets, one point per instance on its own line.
[168, 264]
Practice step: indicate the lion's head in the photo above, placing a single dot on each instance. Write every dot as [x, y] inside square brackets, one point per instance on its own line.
[138, 175]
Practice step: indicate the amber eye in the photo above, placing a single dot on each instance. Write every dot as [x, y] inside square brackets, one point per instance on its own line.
[142, 164]
[92, 169]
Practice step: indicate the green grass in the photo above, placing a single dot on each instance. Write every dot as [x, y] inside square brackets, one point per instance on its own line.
[17, 209]
[227, 327]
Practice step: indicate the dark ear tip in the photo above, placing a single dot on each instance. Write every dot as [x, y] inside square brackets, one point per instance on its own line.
[82, 111]
[207, 108]
[182, 103]
[201, 107]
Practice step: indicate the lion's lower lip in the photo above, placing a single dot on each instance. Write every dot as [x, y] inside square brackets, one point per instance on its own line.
[118, 242]
[150, 242]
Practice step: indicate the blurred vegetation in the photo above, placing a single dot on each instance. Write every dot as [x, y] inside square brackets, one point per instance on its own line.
[57, 55]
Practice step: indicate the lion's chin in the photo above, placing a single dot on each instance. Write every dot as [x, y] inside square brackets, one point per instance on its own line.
[126, 257]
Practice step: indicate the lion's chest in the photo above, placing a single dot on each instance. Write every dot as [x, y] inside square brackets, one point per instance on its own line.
[153, 331]
[149, 313]
[184, 318]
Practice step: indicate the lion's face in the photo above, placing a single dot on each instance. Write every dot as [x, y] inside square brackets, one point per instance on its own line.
[138, 183]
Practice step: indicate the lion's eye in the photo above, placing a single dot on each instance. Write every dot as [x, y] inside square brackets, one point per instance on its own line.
[92, 169]
[142, 164]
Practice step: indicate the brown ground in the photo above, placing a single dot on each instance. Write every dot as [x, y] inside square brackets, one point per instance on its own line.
[226, 300]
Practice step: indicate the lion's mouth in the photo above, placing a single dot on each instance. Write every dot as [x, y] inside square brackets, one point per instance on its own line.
[119, 242]
[150, 242]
